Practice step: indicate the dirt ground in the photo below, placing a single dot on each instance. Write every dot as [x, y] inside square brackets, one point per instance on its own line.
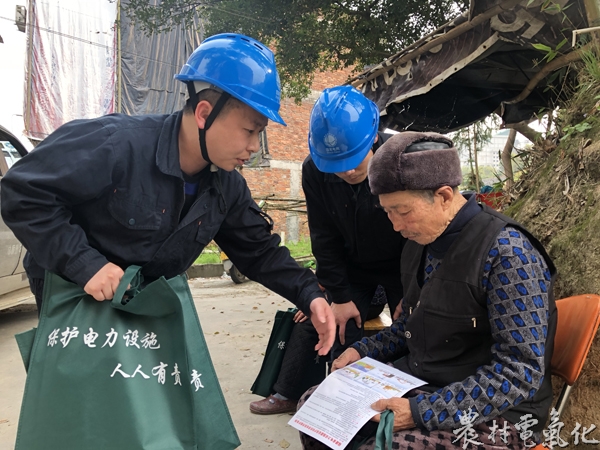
[236, 320]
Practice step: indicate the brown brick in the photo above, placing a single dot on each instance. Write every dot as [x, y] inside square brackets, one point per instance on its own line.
[289, 144]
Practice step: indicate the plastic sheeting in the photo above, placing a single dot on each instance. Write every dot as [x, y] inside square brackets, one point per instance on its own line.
[72, 66]
[74, 53]
[149, 64]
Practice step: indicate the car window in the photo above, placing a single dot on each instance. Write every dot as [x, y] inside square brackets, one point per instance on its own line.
[10, 153]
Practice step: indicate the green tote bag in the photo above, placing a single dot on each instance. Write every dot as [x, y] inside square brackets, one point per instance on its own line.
[280, 335]
[127, 374]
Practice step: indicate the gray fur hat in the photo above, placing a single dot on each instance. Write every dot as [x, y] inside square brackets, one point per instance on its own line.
[405, 162]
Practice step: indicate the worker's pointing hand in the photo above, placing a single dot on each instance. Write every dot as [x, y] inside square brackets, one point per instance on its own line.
[324, 322]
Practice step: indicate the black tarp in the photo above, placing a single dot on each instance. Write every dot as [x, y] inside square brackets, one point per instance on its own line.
[148, 64]
[468, 77]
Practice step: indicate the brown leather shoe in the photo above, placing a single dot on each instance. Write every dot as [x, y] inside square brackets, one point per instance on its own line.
[272, 405]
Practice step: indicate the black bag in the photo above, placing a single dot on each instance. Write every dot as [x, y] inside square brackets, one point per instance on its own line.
[280, 335]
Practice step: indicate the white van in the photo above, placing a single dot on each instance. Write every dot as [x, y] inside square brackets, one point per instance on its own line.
[14, 287]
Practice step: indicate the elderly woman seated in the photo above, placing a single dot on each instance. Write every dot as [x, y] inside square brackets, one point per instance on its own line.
[478, 315]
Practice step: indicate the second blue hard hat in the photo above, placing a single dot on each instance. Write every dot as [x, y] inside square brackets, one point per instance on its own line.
[342, 129]
[241, 66]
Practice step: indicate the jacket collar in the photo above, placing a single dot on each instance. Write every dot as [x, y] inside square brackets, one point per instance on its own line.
[167, 153]
[469, 210]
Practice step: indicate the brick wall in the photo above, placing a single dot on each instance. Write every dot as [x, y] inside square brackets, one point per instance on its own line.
[287, 149]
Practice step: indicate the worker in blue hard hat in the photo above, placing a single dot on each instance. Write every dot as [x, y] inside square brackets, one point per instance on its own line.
[355, 246]
[99, 195]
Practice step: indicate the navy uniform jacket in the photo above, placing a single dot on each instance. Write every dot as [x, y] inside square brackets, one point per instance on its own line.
[111, 189]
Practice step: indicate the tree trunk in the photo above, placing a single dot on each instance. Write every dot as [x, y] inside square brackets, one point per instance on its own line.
[507, 160]
[477, 184]
[119, 99]
[472, 177]
[592, 10]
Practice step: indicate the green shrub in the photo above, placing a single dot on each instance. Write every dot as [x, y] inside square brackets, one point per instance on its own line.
[208, 258]
[211, 254]
[300, 248]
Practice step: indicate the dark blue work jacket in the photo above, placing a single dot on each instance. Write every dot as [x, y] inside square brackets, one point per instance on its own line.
[111, 190]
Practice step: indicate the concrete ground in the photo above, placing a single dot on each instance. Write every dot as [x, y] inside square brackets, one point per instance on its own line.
[236, 320]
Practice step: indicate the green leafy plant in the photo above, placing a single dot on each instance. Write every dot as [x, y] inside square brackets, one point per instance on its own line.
[551, 53]
[311, 264]
[299, 249]
[591, 63]
[577, 128]
[208, 258]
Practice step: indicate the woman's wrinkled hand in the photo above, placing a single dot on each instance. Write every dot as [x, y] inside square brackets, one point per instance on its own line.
[403, 419]
[349, 356]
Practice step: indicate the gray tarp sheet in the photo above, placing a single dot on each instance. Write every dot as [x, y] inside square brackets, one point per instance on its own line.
[149, 64]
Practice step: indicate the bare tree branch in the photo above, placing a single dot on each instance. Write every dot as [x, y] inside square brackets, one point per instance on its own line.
[547, 69]
[507, 159]
[526, 130]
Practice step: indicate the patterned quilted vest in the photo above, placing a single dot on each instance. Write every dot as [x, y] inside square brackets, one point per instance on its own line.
[448, 332]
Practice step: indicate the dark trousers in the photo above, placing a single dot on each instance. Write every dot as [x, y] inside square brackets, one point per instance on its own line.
[37, 288]
[362, 295]
[301, 367]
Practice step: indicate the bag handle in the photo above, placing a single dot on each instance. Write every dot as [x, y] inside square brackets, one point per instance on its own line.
[384, 433]
[385, 430]
[129, 286]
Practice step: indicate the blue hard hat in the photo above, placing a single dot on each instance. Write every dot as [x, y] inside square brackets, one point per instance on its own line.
[241, 66]
[342, 129]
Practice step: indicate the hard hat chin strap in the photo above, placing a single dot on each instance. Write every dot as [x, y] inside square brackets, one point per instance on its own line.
[202, 137]
[209, 120]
